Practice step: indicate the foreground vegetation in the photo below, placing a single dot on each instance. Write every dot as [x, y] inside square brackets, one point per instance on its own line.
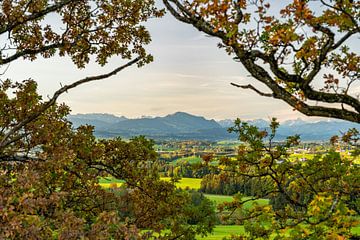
[51, 174]
[219, 231]
[317, 195]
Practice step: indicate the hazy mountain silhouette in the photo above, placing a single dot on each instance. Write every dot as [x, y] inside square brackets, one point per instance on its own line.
[181, 125]
[98, 120]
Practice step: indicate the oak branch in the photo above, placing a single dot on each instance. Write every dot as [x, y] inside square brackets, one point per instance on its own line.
[288, 54]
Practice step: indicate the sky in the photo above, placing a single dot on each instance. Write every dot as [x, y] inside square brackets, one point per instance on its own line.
[189, 74]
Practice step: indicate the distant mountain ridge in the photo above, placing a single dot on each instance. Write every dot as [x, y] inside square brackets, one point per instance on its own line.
[181, 125]
[99, 120]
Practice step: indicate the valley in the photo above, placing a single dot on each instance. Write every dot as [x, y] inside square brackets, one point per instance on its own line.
[186, 163]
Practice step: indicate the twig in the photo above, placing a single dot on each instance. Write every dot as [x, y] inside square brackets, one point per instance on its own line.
[249, 86]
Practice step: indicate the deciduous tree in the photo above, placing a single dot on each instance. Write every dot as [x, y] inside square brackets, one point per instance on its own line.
[49, 171]
[312, 199]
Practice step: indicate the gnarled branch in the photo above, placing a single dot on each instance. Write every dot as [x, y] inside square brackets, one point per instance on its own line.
[286, 85]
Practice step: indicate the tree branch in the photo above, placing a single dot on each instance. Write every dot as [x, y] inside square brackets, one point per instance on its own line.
[331, 98]
[34, 16]
[249, 86]
[29, 52]
[194, 20]
[249, 57]
[18, 158]
[6, 141]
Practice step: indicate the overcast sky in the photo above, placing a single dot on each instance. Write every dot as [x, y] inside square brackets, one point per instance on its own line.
[189, 74]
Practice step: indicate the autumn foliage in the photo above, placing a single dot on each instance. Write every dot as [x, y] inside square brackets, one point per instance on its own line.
[50, 171]
[313, 198]
[287, 46]
[50, 187]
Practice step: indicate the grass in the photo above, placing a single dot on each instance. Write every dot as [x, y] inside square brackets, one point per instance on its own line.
[107, 185]
[192, 183]
[221, 231]
[110, 180]
[219, 199]
[260, 202]
[296, 156]
[311, 156]
[106, 182]
[356, 230]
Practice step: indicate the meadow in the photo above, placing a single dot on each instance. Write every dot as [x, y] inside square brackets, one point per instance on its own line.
[220, 231]
[110, 181]
[191, 183]
[184, 183]
[219, 199]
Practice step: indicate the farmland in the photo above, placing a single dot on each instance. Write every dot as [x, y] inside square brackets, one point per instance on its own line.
[191, 183]
[220, 231]
[219, 199]
[180, 161]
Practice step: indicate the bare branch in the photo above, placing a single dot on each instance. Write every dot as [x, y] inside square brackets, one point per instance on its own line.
[249, 86]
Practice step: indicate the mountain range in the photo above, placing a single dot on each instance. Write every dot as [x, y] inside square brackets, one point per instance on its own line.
[181, 126]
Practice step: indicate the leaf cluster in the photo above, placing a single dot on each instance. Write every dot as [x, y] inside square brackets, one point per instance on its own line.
[285, 45]
[309, 198]
[49, 180]
[79, 29]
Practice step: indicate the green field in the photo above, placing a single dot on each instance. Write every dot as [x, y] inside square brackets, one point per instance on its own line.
[295, 156]
[221, 231]
[192, 183]
[110, 180]
[219, 199]
[106, 182]
[356, 230]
